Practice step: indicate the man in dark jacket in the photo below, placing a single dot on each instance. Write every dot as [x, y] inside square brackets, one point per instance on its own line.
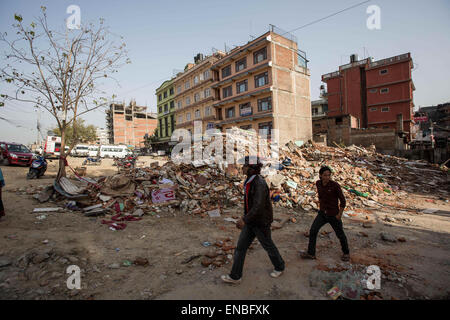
[329, 194]
[258, 216]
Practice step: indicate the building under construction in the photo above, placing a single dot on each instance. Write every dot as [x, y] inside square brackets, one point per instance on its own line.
[129, 124]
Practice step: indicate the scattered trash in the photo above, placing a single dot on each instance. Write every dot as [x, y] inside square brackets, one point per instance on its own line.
[41, 217]
[39, 210]
[334, 293]
[214, 213]
[127, 263]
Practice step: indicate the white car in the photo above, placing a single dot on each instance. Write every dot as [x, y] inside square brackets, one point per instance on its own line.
[80, 150]
[119, 151]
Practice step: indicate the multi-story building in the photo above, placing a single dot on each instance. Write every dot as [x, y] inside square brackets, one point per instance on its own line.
[165, 95]
[194, 96]
[102, 136]
[129, 124]
[264, 85]
[375, 92]
[319, 108]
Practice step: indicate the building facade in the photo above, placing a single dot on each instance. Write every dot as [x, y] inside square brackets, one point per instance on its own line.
[165, 95]
[264, 85]
[129, 124]
[102, 136]
[375, 92]
[194, 96]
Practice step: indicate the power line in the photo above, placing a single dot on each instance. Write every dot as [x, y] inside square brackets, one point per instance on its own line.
[329, 16]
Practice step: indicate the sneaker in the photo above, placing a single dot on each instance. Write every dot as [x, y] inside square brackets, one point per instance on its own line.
[226, 278]
[306, 255]
[276, 274]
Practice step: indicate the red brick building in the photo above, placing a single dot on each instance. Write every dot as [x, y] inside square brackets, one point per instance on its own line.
[375, 92]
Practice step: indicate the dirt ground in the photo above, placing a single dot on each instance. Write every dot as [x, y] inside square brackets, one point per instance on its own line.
[35, 254]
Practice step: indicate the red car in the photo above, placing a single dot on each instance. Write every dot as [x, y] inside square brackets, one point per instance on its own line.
[15, 153]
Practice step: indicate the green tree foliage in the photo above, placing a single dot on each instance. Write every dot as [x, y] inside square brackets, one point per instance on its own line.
[83, 133]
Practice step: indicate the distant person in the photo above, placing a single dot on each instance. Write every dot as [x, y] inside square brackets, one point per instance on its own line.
[329, 193]
[2, 184]
[256, 222]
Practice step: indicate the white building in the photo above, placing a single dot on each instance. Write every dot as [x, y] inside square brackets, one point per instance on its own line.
[102, 136]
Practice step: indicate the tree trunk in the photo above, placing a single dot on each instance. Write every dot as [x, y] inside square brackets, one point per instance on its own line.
[62, 156]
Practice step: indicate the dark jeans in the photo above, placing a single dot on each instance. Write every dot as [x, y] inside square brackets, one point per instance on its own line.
[2, 209]
[318, 223]
[248, 234]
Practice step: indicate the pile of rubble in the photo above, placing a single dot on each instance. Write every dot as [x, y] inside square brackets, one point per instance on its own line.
[208, 187]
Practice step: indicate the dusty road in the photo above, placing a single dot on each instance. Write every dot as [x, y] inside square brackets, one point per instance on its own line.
[35, 253]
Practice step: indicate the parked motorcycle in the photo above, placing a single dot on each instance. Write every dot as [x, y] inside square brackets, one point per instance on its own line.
[37, 168]
[126, 163]
[90, 160]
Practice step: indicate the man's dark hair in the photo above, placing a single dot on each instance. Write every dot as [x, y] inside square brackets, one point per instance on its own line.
[323, 169]
[253, 163]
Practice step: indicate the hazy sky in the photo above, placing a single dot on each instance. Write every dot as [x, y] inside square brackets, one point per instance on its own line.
[165, 35]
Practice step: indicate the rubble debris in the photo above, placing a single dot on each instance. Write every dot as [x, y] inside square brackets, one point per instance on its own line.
[40, 210]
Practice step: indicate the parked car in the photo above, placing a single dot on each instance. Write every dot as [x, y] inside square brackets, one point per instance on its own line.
[93, 151]
[80, 150]
[119, 151]
[15, 153]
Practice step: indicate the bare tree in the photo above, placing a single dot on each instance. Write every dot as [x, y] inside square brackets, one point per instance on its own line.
[61, 71]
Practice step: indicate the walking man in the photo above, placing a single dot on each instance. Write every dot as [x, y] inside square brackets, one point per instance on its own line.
[2, 184]
[329, 193]
[256, 222]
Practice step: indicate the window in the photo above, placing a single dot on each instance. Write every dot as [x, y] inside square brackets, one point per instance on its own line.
[317, 125]
[226, 71]
[384, 90]
[373, 90]
[245, 109]
[241, 64]
[166, 108]
[197, 97]
[373, 109]
[171, 91]
[188, 116]
[265, 104]
[160, 109]
[260, 55]
[160, 128]
[166, 122]
[165, 94]
[172, 122]
[159, 97]
[385, 109]
[206, 74]
[188, 101]
[180, 104]
[210, 125]
[227, 92]
[197, 114]
[241, 86]
[261, 79]
[207, 111]
[315, 111]
[338, 120]
[187, 85]
[384, 71]
[172, 104]
[195, 80]
[179, 89]
[265, 128]
[207, 92]
[180, 118]
[385, 127]
[249, 127]
[230, 113]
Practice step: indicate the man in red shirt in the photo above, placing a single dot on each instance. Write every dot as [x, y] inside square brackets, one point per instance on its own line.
[329, 194]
